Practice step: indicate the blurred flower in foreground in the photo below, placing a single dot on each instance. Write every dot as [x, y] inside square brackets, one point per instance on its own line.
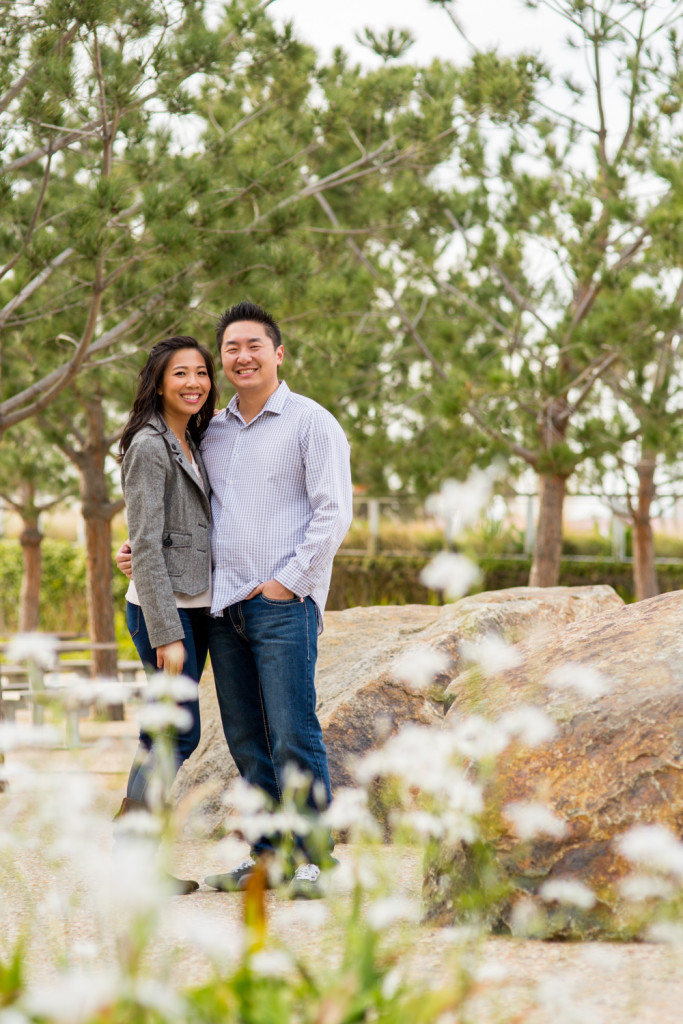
[454, 574]
[272, 963]
[653, 846]
[528, 724]
[387, 911]
[491, 654]
[177, 688]
[155, 718]
[666, 931]
[40, 648]
[568, 891]
[16, 736]
[584, 679]
[349, 810]
[72, 998]
[464, 500]
[531, 819]
[639, 888]
[418, 666]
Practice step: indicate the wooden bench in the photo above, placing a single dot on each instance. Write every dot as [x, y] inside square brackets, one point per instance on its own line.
[21, 687]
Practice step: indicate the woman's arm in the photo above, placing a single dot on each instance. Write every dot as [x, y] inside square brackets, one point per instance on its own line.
[144, 476]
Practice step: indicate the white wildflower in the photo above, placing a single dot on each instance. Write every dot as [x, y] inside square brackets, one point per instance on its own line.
[528, 724]
[272, 963]
[40, 648]
[175, 688]
[464, 501]
[418, 666]
[361, 871]
[568, 891]
[654, 846]
[479, 739]
[13, 1015]
[245, 798]
[491, 973]
[349, 809]
[159, 997]
[295, 780]
[384, 912]
[526, 919]
[73, 998]
[130, 881]
[491, 654]
[108, 692]
[421, 823]
[391, 983]
[584, 679]
[454, 574]
[16, 736]
[530, 819]
[155, 718]
[666, 931]
[639, 888]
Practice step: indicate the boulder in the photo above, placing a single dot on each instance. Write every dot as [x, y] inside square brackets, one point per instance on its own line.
[360, 702]
[616, 761]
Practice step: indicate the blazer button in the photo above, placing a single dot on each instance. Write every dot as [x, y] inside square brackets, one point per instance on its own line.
[168, 542]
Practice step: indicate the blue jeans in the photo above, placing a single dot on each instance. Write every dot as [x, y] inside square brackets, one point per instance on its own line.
[194, 622]
[263, 655]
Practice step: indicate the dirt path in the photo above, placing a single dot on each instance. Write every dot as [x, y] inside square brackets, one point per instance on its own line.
[533, 982]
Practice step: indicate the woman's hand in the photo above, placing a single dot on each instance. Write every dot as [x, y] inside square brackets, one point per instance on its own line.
[171, 657]
[124, 559]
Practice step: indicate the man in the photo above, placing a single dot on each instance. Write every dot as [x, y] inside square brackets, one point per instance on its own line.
[281, 504]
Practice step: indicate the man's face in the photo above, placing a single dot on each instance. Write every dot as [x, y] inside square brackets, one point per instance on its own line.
[249, 358]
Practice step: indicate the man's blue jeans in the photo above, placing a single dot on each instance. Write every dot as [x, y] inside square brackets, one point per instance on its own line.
[195, 624]
[263, 655]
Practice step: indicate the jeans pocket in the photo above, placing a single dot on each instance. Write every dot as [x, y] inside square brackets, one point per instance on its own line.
[133, 619]
[286, 600]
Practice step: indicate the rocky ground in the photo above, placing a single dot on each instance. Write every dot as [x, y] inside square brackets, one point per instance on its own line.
[533, 982]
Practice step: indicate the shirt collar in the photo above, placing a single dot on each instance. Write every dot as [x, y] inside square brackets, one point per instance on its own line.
[276, 402]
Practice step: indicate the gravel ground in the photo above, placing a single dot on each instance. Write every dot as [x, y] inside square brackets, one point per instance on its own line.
[517, 981]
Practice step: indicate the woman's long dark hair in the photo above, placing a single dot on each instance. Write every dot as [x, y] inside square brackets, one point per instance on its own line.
[149, 403]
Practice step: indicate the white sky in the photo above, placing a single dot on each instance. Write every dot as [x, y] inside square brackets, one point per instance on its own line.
[506, 24]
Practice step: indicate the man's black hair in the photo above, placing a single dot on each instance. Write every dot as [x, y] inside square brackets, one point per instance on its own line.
[248, 311]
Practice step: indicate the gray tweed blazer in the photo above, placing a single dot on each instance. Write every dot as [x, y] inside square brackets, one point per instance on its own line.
[169, 522]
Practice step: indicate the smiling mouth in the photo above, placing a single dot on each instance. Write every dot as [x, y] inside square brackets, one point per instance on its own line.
[191, 398]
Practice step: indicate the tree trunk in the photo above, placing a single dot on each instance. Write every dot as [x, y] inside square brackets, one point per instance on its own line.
[545, 566]
[98, 513]
[644, 572]
[32, 555]
[29, 597]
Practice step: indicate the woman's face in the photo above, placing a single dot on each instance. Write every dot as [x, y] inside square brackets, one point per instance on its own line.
[185, 384]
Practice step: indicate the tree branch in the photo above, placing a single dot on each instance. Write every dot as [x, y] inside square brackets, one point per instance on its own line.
[33, 285]
[530, 457]
[397, 305]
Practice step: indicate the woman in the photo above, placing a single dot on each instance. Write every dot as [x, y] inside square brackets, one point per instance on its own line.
[167, 500]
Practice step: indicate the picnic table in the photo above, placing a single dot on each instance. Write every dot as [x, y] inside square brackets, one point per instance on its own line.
[29, 683]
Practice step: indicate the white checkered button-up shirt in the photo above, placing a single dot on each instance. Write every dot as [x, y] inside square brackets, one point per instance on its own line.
[281, 498]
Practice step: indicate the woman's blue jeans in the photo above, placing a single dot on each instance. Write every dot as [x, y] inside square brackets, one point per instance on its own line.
[195, 623]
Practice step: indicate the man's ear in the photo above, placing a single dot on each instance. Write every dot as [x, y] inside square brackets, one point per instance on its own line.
[279, 354]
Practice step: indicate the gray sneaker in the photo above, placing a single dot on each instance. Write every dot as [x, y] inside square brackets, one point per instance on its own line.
[235, 880]
[306, 883]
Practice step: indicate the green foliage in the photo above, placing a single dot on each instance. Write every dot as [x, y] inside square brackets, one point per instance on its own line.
[62, 596]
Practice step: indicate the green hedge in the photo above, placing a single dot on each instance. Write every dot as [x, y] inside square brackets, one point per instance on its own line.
[62, 596]
[385, 580]
[356, 580]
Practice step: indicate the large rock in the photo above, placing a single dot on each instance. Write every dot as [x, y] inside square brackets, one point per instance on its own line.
[616, 761]
[360, 702]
